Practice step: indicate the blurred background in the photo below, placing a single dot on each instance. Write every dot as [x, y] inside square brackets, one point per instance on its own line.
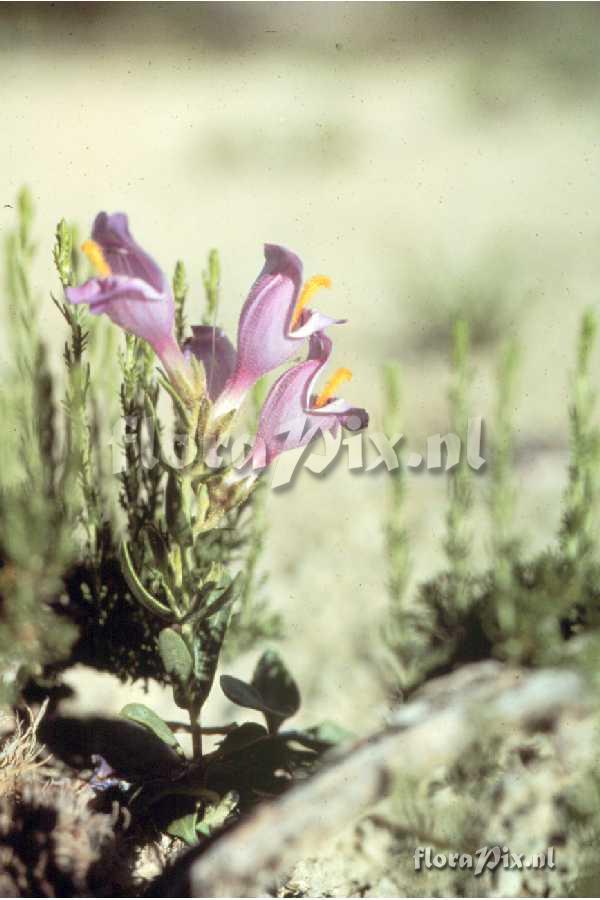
[434, 160]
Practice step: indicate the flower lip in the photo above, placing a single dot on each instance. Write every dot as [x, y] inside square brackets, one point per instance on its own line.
[290, 417]
[100, 291]
[323, 402]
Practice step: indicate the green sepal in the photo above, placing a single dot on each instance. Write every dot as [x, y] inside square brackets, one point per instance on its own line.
[147, 718]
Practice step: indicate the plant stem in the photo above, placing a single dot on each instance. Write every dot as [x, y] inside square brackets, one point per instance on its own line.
[196, 732]
[209, 729]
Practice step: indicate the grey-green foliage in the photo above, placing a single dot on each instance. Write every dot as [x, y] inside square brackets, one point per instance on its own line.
[519, 608]
[580, 517]
[37, 481]
[505, 544]
[502, 493]
[211, 278]
[180, 291]
[397, 544]
[420, 631]
[459, 537]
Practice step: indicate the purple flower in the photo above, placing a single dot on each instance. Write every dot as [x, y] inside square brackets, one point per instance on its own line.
[292, 414]
[214, 350]
[131, 289]
[274, 322]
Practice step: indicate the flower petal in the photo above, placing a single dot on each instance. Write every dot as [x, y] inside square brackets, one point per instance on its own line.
[216, 353]
[135, 294]
[122, 253]
[265, 337]
[314, 321]
[131, 303]
[288, 419]
[263, 343]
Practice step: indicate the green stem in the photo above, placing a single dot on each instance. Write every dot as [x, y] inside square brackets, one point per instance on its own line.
[208, 729]
[196, 731]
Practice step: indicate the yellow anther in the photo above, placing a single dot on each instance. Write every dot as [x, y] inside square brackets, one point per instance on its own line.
[95, 254]
[338, 377]
[311, 287]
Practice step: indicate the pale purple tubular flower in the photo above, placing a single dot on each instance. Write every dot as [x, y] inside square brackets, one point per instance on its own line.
[214, 350]
[292, 415]
[131, 289]
[273, 323]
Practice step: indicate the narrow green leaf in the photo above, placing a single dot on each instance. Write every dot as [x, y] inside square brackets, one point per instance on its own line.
[178, 400]
[180, 289]
[207, 643]
[138, 590]
[212, 279]
[178, 508]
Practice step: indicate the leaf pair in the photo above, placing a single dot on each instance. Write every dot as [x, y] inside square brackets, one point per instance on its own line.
[272, 691]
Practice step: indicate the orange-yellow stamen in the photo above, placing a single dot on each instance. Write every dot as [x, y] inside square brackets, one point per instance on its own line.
[311, 287]
[338, 377]
[95, 254]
